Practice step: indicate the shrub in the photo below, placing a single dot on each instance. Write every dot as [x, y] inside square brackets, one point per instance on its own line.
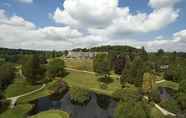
[79, 95]
[103, 85]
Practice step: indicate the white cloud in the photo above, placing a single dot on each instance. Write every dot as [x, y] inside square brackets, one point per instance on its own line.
[25, 1]
[89, 23]
[106, 17]
[175, 43]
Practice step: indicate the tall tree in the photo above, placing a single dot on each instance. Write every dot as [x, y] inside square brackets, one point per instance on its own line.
[55, 68]
[118, 63]
[33, 70]
[136, 72]
[7, 75]
[125, 73]
[102, 66]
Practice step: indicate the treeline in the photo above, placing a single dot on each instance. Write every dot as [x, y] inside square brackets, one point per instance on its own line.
[13, 55]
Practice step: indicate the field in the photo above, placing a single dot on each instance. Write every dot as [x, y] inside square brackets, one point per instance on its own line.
[44, 92]
[18, 87]
[169, 84]
[52, 114]
[18, 112]
[80, 64]
[90, 82]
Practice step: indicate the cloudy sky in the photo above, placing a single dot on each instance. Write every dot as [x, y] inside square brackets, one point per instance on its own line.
[67, 24]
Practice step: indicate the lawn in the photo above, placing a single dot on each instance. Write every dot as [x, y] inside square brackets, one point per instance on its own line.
[80, 64]
[18, 112]
[52, 114]
[169, 84]
[90, 82]
[155, 113]
[44, 92]
[18, 87]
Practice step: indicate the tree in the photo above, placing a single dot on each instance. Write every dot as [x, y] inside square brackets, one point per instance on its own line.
[130, 109]
[33, 70]
[55, 68]
[144, 54]
[79, 95]
[118, 64]
[136, 72]
[160, 52]
[7, 75]
[102, 66]
[128, 93]
[125, 73]
[181, 95]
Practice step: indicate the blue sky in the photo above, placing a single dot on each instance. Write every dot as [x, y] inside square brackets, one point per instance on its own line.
[43, 14]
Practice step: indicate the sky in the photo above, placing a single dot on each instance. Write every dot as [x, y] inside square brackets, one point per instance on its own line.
[68, 24]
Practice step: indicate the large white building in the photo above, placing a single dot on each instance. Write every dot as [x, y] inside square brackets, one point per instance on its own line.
[79, 54]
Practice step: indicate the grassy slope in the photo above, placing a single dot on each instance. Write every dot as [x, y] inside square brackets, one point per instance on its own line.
[80, 64]
[169, 84]
[90, 82]
[52, 114]
[18, 87]
[18, 112]
[155, 113]
[44, 92]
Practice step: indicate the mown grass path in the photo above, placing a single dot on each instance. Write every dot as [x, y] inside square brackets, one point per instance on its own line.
[14, 99]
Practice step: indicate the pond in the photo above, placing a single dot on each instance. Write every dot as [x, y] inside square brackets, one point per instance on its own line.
[99, 106]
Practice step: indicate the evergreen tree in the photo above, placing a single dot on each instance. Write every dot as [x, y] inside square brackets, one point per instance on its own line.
[125, 73]
[33, 70]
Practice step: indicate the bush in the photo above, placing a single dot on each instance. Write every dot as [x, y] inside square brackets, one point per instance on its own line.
[130, 109]
[155, 95]
[79, 95]
[55, 68]
[128, 93]
[103, 85]
[171, 105]
[59, 89]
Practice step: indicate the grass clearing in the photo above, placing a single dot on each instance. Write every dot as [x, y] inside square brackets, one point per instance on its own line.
[18, 87]
[44, 92]
[90, 82]
[18, 112]
[155, 113]
[52, 114]
[80, 64]
[169, 84]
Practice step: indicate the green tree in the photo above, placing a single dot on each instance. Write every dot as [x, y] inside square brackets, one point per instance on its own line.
[101, 66]
[136, 72]
[144, 54]
[7, 75]
[33, 70]
[79, 95]
[181, 95]
[55, 68]
[128, 93]
[130, 109]
[125, 73]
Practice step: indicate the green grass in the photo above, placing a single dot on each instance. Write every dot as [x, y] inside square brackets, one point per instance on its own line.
[18, 112]
[169, 84]
[80, 64]
[90, 82]
[52, 114]
[44, 92]
[18, 87]
[155, 113]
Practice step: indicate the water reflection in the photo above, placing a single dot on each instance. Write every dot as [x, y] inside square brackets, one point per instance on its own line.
[99, 106]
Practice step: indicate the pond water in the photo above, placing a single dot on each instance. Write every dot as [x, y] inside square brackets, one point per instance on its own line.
[99, 106]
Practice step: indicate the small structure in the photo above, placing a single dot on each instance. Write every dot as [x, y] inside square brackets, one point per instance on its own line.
[164, 67]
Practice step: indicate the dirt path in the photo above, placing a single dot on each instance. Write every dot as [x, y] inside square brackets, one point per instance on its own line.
[14, 99]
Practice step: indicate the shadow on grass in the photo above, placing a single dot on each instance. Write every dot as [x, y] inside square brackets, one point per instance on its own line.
[106, 80]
